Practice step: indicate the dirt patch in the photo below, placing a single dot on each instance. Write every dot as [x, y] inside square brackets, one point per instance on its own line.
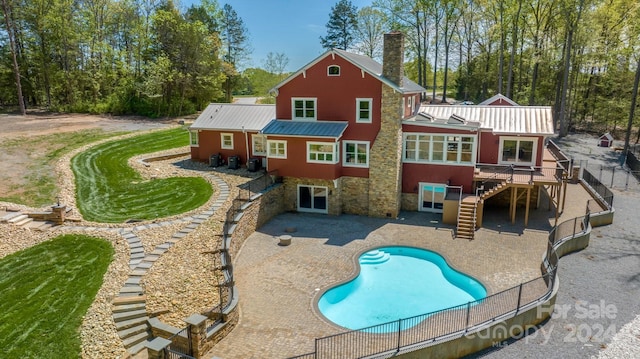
[27, 141]
[44, 124]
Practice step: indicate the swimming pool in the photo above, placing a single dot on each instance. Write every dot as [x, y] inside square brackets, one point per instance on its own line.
[396, 283]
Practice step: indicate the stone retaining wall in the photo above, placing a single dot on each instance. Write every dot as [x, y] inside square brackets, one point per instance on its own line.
[261, 209]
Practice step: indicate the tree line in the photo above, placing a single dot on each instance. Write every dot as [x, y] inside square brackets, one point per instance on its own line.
[579, 56]
[150, 58]
[141, 57]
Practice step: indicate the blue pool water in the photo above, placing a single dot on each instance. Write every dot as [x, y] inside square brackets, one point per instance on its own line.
[396, 283]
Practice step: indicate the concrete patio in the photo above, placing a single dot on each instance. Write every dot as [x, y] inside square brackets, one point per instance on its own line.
[279, 285]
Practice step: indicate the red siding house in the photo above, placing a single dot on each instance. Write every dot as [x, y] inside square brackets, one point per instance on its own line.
[225, 130]
[350, 136]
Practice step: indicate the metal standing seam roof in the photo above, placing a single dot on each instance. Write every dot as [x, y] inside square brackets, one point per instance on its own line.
[233, 117]
[498, 97]
[533, 120]
[330, 129]
[369, 65]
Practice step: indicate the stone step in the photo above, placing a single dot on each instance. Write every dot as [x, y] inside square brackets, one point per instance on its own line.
[24, 222]
[132, 282]
[17, 218]
[130, 323]
[9, 215]
[35, 224]
[130, 299]
[46, 226]
[137, 348]
[128, 307]
[129, 332]
[135, 339]
[124, 316]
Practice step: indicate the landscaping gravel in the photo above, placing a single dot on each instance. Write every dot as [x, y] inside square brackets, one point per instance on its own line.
[596, 304]
[179, 284]
[598, 308]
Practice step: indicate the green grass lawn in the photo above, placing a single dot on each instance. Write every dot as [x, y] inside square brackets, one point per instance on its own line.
[38, 188]
[45, 291]
[108, 190]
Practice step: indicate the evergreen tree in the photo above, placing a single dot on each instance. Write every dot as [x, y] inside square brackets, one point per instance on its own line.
[235, 38]
[341, 27]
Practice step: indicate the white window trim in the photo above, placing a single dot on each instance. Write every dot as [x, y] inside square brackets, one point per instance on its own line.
[312, 210]
[194, 138]
[534, 151]
[271, 155]
[344, 154]
[370, 101]
[330, 74]
[293, 108]
[222, 145]
[335, 152]
[255, 137]
[474, 148]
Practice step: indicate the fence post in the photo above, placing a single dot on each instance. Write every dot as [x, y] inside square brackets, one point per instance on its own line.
[575, 221]
[197, 334]
[399, 333]
[626, 184]
[466, 327]
[519, 298]
[600, 176]
[156, 349]
[613, 172]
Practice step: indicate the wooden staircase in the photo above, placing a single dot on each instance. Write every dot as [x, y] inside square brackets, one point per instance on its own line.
[467, 218]
[495, 190]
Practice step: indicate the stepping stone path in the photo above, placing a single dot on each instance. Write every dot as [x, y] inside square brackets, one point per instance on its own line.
[129, 307]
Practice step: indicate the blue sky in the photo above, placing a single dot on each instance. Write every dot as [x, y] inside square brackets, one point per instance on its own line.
[292, 27]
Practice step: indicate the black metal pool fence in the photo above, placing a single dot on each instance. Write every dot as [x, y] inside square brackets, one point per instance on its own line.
[409, 334]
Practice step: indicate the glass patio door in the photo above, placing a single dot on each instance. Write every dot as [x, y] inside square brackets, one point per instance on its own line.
[313, 199]
[431, 197]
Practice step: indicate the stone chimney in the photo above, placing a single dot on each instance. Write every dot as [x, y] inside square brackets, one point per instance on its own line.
[393, 57]
[385, 160]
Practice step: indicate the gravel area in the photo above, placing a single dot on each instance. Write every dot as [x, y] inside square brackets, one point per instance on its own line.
[599, 286]
[180, 282]
[596, 305]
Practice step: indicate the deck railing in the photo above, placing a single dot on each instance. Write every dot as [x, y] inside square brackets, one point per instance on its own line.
[408, 334]
[562, 159]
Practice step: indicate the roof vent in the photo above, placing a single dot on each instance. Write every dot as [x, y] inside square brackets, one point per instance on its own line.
[456, 119]
[422, 116]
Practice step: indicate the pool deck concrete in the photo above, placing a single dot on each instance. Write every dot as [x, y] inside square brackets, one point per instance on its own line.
[279, 285]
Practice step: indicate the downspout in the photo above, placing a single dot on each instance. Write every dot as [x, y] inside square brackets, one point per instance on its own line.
[246, 143]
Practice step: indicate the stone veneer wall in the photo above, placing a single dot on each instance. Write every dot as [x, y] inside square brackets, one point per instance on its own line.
[355, 195]
[291, 193]
[410, 202]
[261, 210]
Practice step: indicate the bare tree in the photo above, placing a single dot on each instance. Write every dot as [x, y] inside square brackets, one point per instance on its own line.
[370, 32]
[276, 63]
